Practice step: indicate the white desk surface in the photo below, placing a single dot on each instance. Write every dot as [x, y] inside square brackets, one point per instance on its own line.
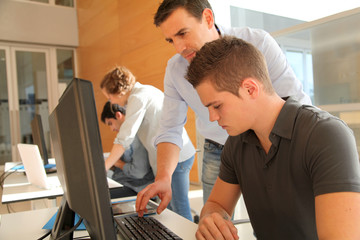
[28, 225]
[17, 188]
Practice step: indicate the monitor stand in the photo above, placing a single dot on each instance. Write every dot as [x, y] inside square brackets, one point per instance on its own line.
[64, 221]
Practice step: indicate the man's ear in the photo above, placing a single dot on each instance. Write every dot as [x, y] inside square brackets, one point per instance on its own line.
[118, 115]
[208, 16]
[250, 87]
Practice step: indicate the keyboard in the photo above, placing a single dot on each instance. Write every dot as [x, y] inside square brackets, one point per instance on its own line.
[134, 227]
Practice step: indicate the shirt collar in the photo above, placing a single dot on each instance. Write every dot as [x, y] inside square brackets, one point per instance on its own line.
[218, 29]
[284, 124]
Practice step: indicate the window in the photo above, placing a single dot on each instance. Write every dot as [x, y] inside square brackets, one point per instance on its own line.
[40, 1]
[325, 56]
[301, 62]
[65, 67]
[241, 17]
[32, 78]
[65, 3]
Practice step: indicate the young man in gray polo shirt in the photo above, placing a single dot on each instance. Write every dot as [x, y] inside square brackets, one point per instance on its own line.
[296, 166]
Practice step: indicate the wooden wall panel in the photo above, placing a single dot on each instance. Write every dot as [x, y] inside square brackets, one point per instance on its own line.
[121, 32]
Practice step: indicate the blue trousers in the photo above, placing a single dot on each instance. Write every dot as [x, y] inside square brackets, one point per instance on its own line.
[210, 168]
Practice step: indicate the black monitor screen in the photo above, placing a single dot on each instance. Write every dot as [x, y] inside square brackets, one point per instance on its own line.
[38, 137]
[79, 159]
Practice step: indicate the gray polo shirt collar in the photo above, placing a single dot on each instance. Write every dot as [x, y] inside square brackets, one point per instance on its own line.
[284, 124]
[283, 127]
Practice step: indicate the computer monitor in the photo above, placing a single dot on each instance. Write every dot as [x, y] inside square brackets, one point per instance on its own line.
[38, 137]
[80, 164]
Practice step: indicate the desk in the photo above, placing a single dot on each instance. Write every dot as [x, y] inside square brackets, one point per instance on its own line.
[28, 225]
[17, 188]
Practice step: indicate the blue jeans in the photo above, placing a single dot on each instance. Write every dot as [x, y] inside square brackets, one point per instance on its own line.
[210, 168]
[180, 185]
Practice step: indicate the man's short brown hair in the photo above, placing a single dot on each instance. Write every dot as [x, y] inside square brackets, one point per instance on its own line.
[226, 62]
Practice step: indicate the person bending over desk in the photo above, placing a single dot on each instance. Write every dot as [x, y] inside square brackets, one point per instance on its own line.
[296, 165]
[133, 168]
[144, 105]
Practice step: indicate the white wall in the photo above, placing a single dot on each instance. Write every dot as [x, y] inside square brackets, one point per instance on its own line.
[28, 22]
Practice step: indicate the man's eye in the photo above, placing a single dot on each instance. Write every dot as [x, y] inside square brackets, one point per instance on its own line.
[217, 106]
[169, 41]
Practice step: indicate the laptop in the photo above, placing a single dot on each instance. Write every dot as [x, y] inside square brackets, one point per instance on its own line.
[34, 167]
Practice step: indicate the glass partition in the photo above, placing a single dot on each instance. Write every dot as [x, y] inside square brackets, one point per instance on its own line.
[32, 92]
[5, 135]
[67, 3]
[325, 55]
[65, 67]
[40, 1]
[31, 80]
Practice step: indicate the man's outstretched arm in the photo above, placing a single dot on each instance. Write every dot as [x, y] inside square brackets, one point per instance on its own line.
[167, 160]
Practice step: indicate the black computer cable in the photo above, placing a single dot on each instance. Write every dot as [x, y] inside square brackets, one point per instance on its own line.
[64, 233]
[70, 230]
[3, 176]
[7, 173]
[45, 235]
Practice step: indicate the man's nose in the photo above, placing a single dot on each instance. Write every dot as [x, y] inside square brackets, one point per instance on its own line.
[179, 46]
[213, 116]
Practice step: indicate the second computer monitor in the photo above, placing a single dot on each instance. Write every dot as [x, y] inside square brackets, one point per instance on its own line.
[80, 163]
[39, 137]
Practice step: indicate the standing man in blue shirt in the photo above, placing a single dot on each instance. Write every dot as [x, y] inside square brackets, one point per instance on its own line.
[188, 25]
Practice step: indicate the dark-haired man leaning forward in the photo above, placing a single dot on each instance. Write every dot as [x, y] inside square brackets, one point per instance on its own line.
[133, 169]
